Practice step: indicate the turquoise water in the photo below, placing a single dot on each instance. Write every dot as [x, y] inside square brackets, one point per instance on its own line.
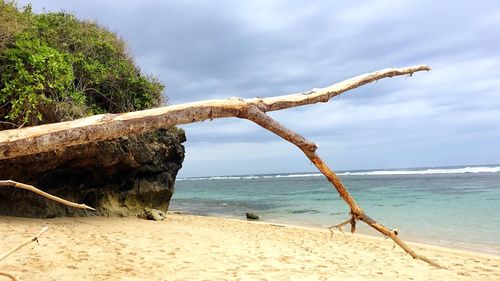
[454, 207]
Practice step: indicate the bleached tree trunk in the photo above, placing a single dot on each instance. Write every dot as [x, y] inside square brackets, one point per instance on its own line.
[51, 137]
[14, 143]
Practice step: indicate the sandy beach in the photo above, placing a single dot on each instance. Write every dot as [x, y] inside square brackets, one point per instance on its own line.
[186, 247]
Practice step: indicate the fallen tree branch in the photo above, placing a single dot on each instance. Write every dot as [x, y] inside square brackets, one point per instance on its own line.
[50, 137]
[14, 143]
[259, 117]
[44, 194]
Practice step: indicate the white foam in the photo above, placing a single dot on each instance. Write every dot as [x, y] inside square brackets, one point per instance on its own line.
[298, 175]
[222, 178]
[464, 170]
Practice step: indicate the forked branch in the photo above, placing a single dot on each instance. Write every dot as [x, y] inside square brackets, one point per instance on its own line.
[15, 143]
[50, 137]
[338, 226]
[259, 117]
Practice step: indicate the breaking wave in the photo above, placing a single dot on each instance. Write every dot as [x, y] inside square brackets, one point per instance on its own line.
[421, 171]
[464, 170]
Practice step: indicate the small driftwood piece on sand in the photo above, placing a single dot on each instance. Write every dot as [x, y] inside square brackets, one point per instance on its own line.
[50, 137]
[34, 239]
[8, 275]
[44, 229]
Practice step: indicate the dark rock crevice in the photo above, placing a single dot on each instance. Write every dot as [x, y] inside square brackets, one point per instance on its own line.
[118, 177]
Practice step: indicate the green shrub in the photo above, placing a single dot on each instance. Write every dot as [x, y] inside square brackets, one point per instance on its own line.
[34, 77]
[12, 21]
[55, 67]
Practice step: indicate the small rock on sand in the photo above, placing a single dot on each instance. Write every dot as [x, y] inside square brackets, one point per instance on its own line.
[252, 216]
[154, 214]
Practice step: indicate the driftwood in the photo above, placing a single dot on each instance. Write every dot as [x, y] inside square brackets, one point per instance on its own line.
[44, 229]
[34, 239]
[51, 137]
[43, 194]
[8, 275]
[43, 138]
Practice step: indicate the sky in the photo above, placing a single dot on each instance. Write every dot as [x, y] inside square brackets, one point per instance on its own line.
[221, 49]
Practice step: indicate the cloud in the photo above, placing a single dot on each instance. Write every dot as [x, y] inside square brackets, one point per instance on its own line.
[220, 49]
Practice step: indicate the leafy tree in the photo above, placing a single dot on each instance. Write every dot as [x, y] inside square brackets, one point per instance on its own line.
[55, 67]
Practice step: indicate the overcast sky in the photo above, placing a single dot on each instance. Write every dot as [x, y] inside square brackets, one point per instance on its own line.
[219, 49]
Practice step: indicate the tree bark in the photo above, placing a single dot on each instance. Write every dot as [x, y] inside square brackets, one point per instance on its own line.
[14, 143]
[30, 140]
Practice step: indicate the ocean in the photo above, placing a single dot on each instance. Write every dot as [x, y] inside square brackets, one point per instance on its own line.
[457, 207]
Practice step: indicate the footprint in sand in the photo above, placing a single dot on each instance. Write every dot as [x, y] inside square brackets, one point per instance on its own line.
[126, 269]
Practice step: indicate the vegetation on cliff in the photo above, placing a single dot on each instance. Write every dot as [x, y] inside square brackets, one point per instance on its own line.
[55, 67]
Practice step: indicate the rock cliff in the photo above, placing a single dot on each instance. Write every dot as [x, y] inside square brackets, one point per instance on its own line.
[118, 177]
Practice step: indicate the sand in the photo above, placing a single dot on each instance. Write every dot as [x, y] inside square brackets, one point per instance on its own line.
[185, 247]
